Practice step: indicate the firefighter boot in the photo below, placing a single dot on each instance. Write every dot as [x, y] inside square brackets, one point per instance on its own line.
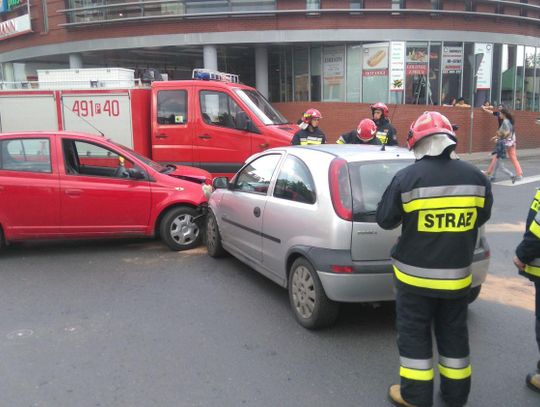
[394, 393]
[533, 381]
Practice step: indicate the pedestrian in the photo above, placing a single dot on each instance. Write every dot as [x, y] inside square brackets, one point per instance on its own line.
[506, 131]
[440, 202]
[309, 132]
[385, 131]
[365, 133]
[461, 103]
[499, 154]
[527, 260]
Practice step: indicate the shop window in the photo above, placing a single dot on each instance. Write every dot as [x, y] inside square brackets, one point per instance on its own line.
[508, 76]
[301, 74]
[354, 73]
[315, 61]
[484, 54]
[451, 67]
[375, 73]
[334, 74]
[433, 95]
[416, 70]
[529, 84]
[520, 77]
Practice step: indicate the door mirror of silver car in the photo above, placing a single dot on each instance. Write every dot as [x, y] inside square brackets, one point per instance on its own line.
[220, 182]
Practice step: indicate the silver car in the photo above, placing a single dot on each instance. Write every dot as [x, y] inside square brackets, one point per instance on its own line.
[305, 218]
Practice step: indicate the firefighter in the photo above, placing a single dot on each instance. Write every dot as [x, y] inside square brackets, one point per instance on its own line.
[440, 202]
[385, 131]
[309, 133]
[527, 260]
[364, 134]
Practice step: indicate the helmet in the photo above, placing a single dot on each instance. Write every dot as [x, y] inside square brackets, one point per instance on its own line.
[366, 130]
[311, 114]
[382, 107]
[428, 124]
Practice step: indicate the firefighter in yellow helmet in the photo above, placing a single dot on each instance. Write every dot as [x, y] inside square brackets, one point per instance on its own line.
[440, 202]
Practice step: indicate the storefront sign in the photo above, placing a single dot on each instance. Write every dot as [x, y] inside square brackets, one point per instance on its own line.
[375, 59]
[417, 61]
[15, 26]
[334, 58]
[416, 69]
[397, 66]
[483, 80]
[452, 60]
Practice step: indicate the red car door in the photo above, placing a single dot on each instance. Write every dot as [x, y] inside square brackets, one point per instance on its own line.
[29, 187]
[220, 147]
[96, 199]
[172, 127]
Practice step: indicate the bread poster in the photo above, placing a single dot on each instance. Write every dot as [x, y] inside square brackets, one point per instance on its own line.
[375, 59]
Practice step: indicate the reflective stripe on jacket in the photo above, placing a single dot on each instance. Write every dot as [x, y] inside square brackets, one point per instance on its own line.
[528, 251]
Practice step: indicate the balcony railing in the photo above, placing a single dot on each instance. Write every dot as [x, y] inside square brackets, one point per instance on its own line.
[89, 12]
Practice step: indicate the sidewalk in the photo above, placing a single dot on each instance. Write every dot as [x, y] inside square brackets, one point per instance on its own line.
[485, 156]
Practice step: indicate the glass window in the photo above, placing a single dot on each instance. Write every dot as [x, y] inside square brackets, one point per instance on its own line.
[256, 176]
[470, 5]
[334, 74]
[451, 66]
[437, 4]
[260, 106]
[508, 81]
[295, 182]
[83, 158]
[205, 6]
[368, 182]
[251, 5]
[218, 109]
[301, 74]
[520, 76]
[354, 73]
[315, 66]
[356, 4]
[416, 69]
[484, 54]
[529, 87]
[468, 72]
[496, 75]
[28, 155]
[433, 95]
[313, 4]
[375, 73]
[172, 107]
[396, 4]
[537, 82]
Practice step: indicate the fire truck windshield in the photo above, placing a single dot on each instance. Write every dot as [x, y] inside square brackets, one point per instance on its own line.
[261, 107]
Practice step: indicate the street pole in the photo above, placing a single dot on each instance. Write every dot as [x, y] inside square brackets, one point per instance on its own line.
[475, 62]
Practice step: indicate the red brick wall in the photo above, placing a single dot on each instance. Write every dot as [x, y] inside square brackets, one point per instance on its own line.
[341, 117]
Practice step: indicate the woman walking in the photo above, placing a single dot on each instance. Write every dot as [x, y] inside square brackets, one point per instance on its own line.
[506, 132]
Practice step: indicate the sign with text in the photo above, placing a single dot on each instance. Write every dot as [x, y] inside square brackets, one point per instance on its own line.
[15, 26]
[483, 80]
[375, 59]
[452, 60]
[397, 66]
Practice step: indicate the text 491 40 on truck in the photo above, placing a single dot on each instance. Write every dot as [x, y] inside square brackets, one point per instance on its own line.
[212, 121]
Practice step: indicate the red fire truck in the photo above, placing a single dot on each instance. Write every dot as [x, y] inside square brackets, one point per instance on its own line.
[212, 121]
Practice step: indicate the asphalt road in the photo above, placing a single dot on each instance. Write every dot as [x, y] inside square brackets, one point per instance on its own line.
[129, 323]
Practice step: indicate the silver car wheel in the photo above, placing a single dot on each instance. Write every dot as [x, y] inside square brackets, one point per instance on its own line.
[303, 291]
[184, 229]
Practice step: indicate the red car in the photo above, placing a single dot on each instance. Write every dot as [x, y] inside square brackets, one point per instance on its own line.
[63, 185]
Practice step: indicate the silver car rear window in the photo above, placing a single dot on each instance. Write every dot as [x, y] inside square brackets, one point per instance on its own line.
[368, 183]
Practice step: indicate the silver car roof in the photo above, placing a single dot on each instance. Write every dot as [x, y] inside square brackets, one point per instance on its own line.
[353, 152]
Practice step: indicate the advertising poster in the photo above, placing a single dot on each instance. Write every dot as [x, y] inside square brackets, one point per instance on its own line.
[452, 60]
[483, 80]
[15, 26]
[397, 66]
[334, 73]
[375, 59]
[417, 61]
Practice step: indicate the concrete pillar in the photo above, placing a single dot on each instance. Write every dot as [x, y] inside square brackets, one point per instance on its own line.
[261, 70]
[210, 57]
[75, 61]
[9, 72]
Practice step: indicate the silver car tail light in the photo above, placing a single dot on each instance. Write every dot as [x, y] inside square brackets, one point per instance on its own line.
[340, 188]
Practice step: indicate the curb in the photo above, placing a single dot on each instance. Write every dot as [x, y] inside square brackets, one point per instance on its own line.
[485, 156]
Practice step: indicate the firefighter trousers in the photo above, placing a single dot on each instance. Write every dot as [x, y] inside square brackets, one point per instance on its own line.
[537, 286]
[415, 316]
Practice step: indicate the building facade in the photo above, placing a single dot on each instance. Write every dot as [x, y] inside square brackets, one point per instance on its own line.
[413, 52]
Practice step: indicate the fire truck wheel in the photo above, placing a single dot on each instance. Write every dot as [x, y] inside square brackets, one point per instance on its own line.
[180, 228]
[311, 307]
[213, 237]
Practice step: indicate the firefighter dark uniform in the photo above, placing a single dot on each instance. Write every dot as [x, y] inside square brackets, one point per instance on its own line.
[528, 252]
[352, 138]
[385, 131]
[440, 203]
[309, 136]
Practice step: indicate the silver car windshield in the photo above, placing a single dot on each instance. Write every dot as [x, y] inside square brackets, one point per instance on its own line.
[261, 107]
[368, 182]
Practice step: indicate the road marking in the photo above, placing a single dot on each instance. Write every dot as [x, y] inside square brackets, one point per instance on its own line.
[526, 180]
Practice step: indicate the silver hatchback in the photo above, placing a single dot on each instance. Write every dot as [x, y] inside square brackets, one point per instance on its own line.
[305, 218]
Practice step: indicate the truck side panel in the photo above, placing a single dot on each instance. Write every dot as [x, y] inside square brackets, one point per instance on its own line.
[28, 112]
